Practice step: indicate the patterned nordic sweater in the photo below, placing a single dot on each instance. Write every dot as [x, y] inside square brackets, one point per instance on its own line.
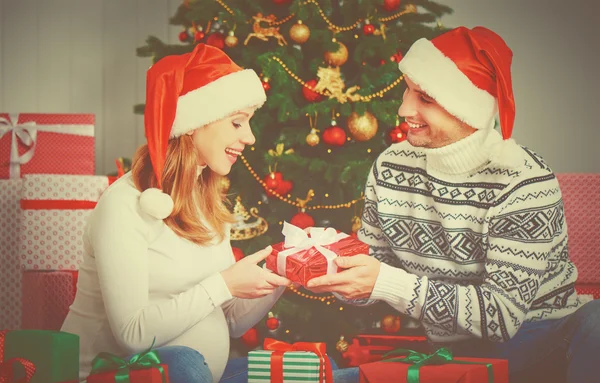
[467, 248]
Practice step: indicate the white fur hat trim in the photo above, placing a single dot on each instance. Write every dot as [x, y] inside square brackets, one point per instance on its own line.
[156, 203]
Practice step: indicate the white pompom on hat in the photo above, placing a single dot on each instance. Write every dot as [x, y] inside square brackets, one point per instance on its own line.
[183, 93]
[467, 71]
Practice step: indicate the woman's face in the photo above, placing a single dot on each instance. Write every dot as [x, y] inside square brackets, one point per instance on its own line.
[220, 143]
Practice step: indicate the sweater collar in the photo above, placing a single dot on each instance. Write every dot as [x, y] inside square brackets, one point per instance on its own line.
[465, 155]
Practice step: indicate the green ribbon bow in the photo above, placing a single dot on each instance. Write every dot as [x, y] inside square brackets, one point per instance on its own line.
[105, 361]
[418, 360]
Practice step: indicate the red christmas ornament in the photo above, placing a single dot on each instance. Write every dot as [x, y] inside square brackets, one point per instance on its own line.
[216, 39]
[404, 127]
[199, 35]
[334, 135]
[272, 181]
[302, 220]
[396, 135]
[237, 253]
[183, 36]
[272, 322]
[308, 93]
[281, 2]
[250, 338]
[266, 86]
[284, 187]
[391, 5]
[397, 57]
[368, 29]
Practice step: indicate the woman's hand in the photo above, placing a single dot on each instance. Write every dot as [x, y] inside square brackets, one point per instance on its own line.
[245, 279]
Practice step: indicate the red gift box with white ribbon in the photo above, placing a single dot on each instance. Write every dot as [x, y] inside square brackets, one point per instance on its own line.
[46, 144]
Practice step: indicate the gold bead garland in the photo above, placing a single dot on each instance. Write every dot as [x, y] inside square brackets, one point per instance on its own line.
[225, 6]
[410, 8]
[329, 23]
[366, 98]
[293, 203]
[329, 299]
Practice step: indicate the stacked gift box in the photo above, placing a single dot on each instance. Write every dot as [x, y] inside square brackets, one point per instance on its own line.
[44, 144]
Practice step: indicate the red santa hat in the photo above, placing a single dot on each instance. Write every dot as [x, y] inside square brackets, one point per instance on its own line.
[467, 71]
[184, 93]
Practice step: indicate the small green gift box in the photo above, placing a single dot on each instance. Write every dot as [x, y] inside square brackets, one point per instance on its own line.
[55, 354]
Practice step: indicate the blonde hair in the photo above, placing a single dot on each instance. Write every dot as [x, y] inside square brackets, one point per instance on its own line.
[193, 196]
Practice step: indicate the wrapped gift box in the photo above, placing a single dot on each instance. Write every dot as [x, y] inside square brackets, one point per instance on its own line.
[46, 298]
[10, 275]
[55, 354]
[46, 144]
[283, 362]
[147, 375]
[450, 372]
[304, 256]
[55, 209]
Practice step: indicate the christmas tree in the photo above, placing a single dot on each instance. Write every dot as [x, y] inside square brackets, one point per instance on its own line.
[329, 69]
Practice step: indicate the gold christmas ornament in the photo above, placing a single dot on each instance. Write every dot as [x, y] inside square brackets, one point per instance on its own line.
[339, 57]
[362, 128]
[331, 83]
[313, 138]
[263, 33]
[225, 184]
[356, 224]
[299, 32]
[342, 345]
[243, 227]
[231, 41]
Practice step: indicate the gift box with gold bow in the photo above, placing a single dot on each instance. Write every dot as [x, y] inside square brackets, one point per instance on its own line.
[304, 256]
[144, 367]
[409, 366]
[281, 362]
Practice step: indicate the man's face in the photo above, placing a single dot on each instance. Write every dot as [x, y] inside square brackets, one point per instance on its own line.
[430, 125]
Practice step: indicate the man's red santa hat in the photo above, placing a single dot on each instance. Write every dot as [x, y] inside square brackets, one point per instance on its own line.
[467, 72]
[187, 92]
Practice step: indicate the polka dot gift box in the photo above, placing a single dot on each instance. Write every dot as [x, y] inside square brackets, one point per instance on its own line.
[55, 209]
[36, 143]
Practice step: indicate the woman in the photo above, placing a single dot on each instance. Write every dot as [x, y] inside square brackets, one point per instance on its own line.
[158, 265]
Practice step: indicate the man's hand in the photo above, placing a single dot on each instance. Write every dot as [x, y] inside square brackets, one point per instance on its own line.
[356, 282]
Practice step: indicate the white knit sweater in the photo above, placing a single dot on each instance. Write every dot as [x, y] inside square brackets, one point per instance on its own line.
[140, 281]
[470, 249]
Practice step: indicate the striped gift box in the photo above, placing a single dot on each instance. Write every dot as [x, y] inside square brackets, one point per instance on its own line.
[298, 366]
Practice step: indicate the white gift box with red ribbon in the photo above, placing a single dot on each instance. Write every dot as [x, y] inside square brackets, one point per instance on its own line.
[54, 211]
[36, 143]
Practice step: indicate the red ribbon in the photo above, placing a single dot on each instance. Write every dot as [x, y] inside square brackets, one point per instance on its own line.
[279, 348]
[7, 370]
[49, 204]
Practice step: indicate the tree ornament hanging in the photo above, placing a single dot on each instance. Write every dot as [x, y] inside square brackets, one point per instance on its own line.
[299, 32]
[334, 135]
[250, 338]
[271, 181]
[313, 138]
[404, 127]
[397, 134]
[199, 35]
[244, 227]
[231, 41]
[309, 94]
[396, 57]
[265, 84]
[368, 28]
[183, 36]
[263, 33]
[281, 2]
[302, 219]
[342, 345]
[272, 322]
[391, 5]
[356, 224]
[331, 83]
[390, 323]
[362, 128]
[225, 184]
[216, 39]
[339, 57]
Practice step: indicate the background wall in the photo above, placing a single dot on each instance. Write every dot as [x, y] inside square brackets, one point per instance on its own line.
[78, 56]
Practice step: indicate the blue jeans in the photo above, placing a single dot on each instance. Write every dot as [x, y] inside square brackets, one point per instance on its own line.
[549, 351]
[187, 365]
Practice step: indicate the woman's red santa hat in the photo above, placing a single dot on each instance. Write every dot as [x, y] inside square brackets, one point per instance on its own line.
[467, 72]
[187, 92]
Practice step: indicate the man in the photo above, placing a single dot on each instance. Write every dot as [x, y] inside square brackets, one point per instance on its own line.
[466, 228]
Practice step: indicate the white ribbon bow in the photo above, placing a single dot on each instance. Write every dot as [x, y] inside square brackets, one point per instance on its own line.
[297, 240]
[27, 134]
